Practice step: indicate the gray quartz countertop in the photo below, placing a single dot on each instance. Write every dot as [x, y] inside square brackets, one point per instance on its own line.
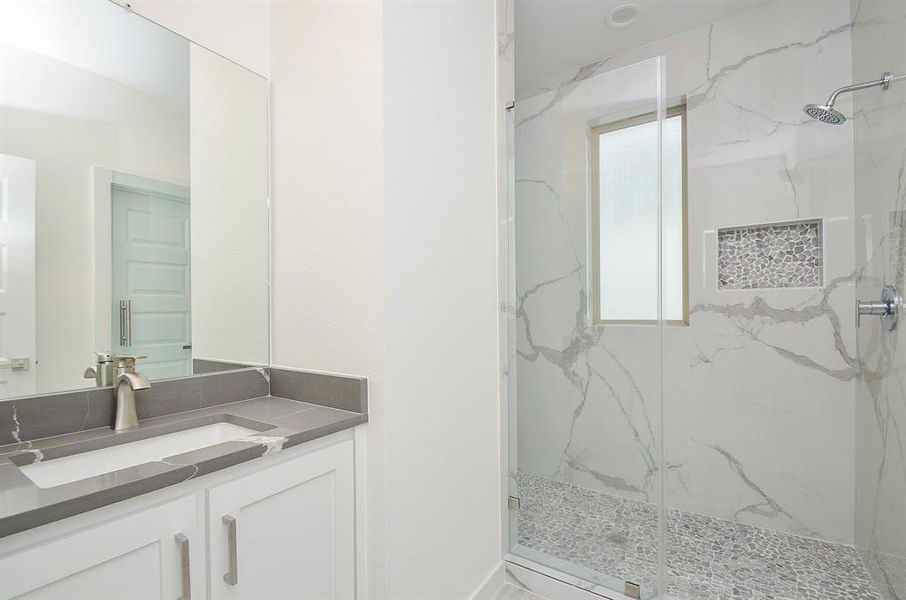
[279, 423]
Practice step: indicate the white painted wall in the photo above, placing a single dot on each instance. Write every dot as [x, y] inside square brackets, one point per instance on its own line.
[228, 166]
[236, 29]
[328, 214]
[385, 264]
[443, 519]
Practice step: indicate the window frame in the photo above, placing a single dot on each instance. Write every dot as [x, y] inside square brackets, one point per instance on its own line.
[594, 134]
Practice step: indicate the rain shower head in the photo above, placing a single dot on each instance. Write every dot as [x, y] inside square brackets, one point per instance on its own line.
[826, 113]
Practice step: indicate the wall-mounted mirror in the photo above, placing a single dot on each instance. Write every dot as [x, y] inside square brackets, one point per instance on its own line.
[133, 200]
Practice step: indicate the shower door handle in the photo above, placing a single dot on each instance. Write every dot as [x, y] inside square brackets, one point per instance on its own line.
[888, 308]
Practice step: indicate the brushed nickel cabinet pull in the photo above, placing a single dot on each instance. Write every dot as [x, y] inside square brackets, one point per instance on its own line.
[184, 575]
[231, 576]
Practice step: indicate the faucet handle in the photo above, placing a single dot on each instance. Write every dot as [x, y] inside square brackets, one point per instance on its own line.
[103, 356]
[127, 363]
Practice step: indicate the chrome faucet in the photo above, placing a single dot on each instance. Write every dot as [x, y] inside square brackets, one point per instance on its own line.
[128, 381]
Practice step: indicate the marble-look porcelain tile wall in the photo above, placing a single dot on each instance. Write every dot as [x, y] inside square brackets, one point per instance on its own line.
[758, 390]
[879, 44]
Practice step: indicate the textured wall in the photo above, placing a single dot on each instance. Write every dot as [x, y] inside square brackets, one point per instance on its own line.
[879, 44]
[443, 478]
[328, 216]
[759, 388]
[237, 29]
[383, 167]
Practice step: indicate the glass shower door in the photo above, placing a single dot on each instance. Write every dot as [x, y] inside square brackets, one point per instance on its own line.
[589, 239]
[879, 140]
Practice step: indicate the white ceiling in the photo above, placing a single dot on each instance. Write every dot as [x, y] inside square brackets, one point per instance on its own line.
[101, 37]
[554, 36]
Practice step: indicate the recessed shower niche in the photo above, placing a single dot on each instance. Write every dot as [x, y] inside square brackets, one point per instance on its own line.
[773, 255]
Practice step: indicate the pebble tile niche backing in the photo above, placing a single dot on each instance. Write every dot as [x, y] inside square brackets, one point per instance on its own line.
[773, 255]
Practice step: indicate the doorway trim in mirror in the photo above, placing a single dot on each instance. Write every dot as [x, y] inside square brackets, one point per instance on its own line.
[103, 180]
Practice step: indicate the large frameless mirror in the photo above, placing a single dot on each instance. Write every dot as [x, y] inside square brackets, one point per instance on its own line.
[133, 205]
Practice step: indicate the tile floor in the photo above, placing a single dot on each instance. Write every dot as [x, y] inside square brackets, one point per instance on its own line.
[511, 592]
[707, 558]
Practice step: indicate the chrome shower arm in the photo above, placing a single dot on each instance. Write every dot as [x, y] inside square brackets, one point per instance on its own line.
[884, 82]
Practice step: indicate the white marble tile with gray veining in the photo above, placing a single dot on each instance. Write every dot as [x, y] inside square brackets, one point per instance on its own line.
[758, 390]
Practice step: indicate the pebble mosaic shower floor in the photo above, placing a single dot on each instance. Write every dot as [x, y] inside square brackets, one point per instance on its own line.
[707, 558]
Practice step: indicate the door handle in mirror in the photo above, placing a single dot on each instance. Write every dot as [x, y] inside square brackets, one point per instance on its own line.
[125, 323]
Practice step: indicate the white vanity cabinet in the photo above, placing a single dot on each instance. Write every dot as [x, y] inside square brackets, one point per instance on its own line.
[292, 536]
[286, 531]
[136, 556]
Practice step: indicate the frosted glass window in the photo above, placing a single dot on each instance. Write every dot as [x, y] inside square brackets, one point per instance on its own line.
[625, 157]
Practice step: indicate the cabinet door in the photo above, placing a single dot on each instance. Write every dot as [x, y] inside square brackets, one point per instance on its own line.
[138, 556]
[286, 532]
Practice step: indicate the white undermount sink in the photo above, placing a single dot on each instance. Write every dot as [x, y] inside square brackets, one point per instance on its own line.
[67, 469]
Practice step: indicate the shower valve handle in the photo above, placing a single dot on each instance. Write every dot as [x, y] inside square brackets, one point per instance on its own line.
[887, 308]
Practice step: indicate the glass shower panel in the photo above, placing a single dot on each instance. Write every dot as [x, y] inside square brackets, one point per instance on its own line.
[585, 381]
[774, 397]
[879, 131]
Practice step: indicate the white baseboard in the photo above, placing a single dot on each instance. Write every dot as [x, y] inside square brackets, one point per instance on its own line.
[489, 588]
